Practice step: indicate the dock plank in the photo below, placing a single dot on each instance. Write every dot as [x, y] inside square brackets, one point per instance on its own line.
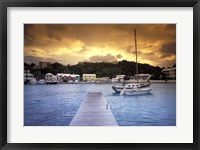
[94, 111]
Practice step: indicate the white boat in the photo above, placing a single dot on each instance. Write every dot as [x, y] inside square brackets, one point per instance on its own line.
[133, 86]
[119, 88]
[132, 89]
[41, 81]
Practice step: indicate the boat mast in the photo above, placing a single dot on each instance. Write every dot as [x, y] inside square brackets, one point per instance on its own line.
[136, 55]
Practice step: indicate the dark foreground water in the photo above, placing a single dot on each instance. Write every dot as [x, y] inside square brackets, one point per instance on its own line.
[55, 105]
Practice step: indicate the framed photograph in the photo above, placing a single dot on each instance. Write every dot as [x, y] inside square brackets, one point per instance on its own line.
[99, 74]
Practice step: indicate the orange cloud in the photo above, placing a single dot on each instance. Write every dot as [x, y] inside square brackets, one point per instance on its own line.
[71, 43]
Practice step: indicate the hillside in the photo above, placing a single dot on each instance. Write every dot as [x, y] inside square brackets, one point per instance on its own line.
[101, 69]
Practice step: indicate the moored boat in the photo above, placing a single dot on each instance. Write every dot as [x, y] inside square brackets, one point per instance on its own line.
[133, 89]
[119, 88]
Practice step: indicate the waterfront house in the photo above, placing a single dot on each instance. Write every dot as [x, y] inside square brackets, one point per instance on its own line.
[29, 77]
[51, 78]
[63, 77]
[89, 77]
[76, 77]
[99, 80]
[68, 78]
[120, 77]
[170, 73]
[106, 79]
[114, 80]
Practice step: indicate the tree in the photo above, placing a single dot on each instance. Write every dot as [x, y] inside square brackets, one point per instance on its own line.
[101, 69]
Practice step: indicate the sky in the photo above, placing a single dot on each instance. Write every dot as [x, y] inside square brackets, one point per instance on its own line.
[73, 43]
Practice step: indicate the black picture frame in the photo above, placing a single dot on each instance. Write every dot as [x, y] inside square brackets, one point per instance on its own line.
[4, 4]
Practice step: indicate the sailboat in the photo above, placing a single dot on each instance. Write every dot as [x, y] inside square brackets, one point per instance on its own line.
[135, 90]
[130, 86]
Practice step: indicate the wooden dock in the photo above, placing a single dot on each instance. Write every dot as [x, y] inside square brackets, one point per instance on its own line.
[94, 111]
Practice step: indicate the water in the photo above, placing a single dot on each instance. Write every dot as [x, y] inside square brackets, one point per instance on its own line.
[56, 105]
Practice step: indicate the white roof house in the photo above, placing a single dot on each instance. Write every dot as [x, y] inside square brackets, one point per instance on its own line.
[29, 77]
[120, 76]
[49, 77]
[170, 72]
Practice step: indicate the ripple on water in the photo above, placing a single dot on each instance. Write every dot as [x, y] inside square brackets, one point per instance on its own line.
[56, 105]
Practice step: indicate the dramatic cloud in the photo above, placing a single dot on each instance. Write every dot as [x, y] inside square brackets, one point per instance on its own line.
[29, 38]
[71, 43]
[107, 58]
[168, 49]
[119, 56]
[33, 59]
[53, 36]
[55, 27]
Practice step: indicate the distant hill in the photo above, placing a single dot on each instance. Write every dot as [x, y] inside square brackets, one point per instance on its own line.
[101, 69]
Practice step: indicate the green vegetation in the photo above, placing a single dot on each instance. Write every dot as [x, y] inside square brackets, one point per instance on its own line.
[101, 69]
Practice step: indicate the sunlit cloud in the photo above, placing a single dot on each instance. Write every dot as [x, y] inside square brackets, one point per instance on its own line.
[73, 43]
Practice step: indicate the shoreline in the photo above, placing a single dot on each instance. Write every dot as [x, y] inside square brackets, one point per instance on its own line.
[154, 81]
[126, 82]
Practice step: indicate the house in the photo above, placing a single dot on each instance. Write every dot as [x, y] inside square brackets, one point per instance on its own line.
[120, 77]
[29, 77]
[99, 80]
[76, 77]
[63, 77]
[89, 77]
[51, 78]
[114, 80]
[169, 73]
[105, 78]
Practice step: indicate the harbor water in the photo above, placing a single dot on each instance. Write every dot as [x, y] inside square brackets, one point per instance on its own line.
[56, 105]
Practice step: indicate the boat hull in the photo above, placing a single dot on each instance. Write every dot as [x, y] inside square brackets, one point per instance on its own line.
[119, 88]
[135, 91]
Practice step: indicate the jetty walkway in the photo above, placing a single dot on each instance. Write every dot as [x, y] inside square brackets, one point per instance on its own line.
[94, 111]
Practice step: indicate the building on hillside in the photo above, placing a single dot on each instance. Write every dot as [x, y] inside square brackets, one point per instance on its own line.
[170, 73]
[44, 64]
[89, 77]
